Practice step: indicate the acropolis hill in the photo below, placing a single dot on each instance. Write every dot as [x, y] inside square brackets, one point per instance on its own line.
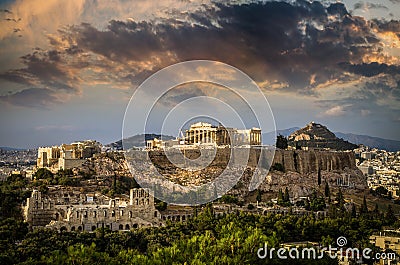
[296, 168]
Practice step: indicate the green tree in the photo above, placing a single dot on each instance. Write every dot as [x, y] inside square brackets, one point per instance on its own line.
[43, 173]
[259, 195]
[353, 211]
[281, 142]
[364, 207]
[286, 197]
[280, 197]
[319, 176]
[381, 191]
[390, 218]
[376, 210]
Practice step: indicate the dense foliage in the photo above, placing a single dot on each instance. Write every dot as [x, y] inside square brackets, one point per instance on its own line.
[230, 239]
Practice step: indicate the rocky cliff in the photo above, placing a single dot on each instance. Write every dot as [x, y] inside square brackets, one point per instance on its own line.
[305, 162]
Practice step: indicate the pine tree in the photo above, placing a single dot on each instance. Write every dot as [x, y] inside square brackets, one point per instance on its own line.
[281, 142]
[353, 211]
[364, 207]
[340, 198]
[286, 197]
[259, 197]
[376, 210]
[390, 218]
[327, 190]
[280, 197]
[319, 177]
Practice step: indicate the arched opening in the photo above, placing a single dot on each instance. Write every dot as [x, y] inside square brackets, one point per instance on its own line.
[155, 214]
[183, 218]
[72, 228]
[135, 226]
[113, 213]
[79, 228]
[93, 228]
[120, 227]
[127, 227]
[63, 228]
[94, 214]
[57, 216]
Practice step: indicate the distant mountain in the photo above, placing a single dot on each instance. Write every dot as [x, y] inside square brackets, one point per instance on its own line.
[315, 135]
[138, 140]
[6, 148]
[373, 142]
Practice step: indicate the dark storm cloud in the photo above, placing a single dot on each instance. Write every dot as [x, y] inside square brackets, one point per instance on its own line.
[44, 69]
[301, 45]
[371, 69]
[273, 40]
[388, 26]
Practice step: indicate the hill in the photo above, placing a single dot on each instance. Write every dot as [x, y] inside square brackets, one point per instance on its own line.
[315, 135]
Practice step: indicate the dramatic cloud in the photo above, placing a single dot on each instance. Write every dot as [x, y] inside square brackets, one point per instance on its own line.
[298, 47]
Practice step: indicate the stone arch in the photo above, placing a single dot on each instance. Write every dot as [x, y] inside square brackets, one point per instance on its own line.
[127, 227]
[94, 227]
[72, 228]
[135, 226]
[79, 228]
[63, 228]
[121, 227]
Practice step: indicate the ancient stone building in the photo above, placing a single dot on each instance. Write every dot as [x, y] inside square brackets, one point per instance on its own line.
[205, 133]
[90, 214]
[67, 156]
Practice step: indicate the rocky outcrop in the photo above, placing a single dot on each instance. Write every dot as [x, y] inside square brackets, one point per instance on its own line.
[305, 162]
[315, 135]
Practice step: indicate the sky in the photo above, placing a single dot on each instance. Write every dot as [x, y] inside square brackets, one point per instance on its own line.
[68, 69]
